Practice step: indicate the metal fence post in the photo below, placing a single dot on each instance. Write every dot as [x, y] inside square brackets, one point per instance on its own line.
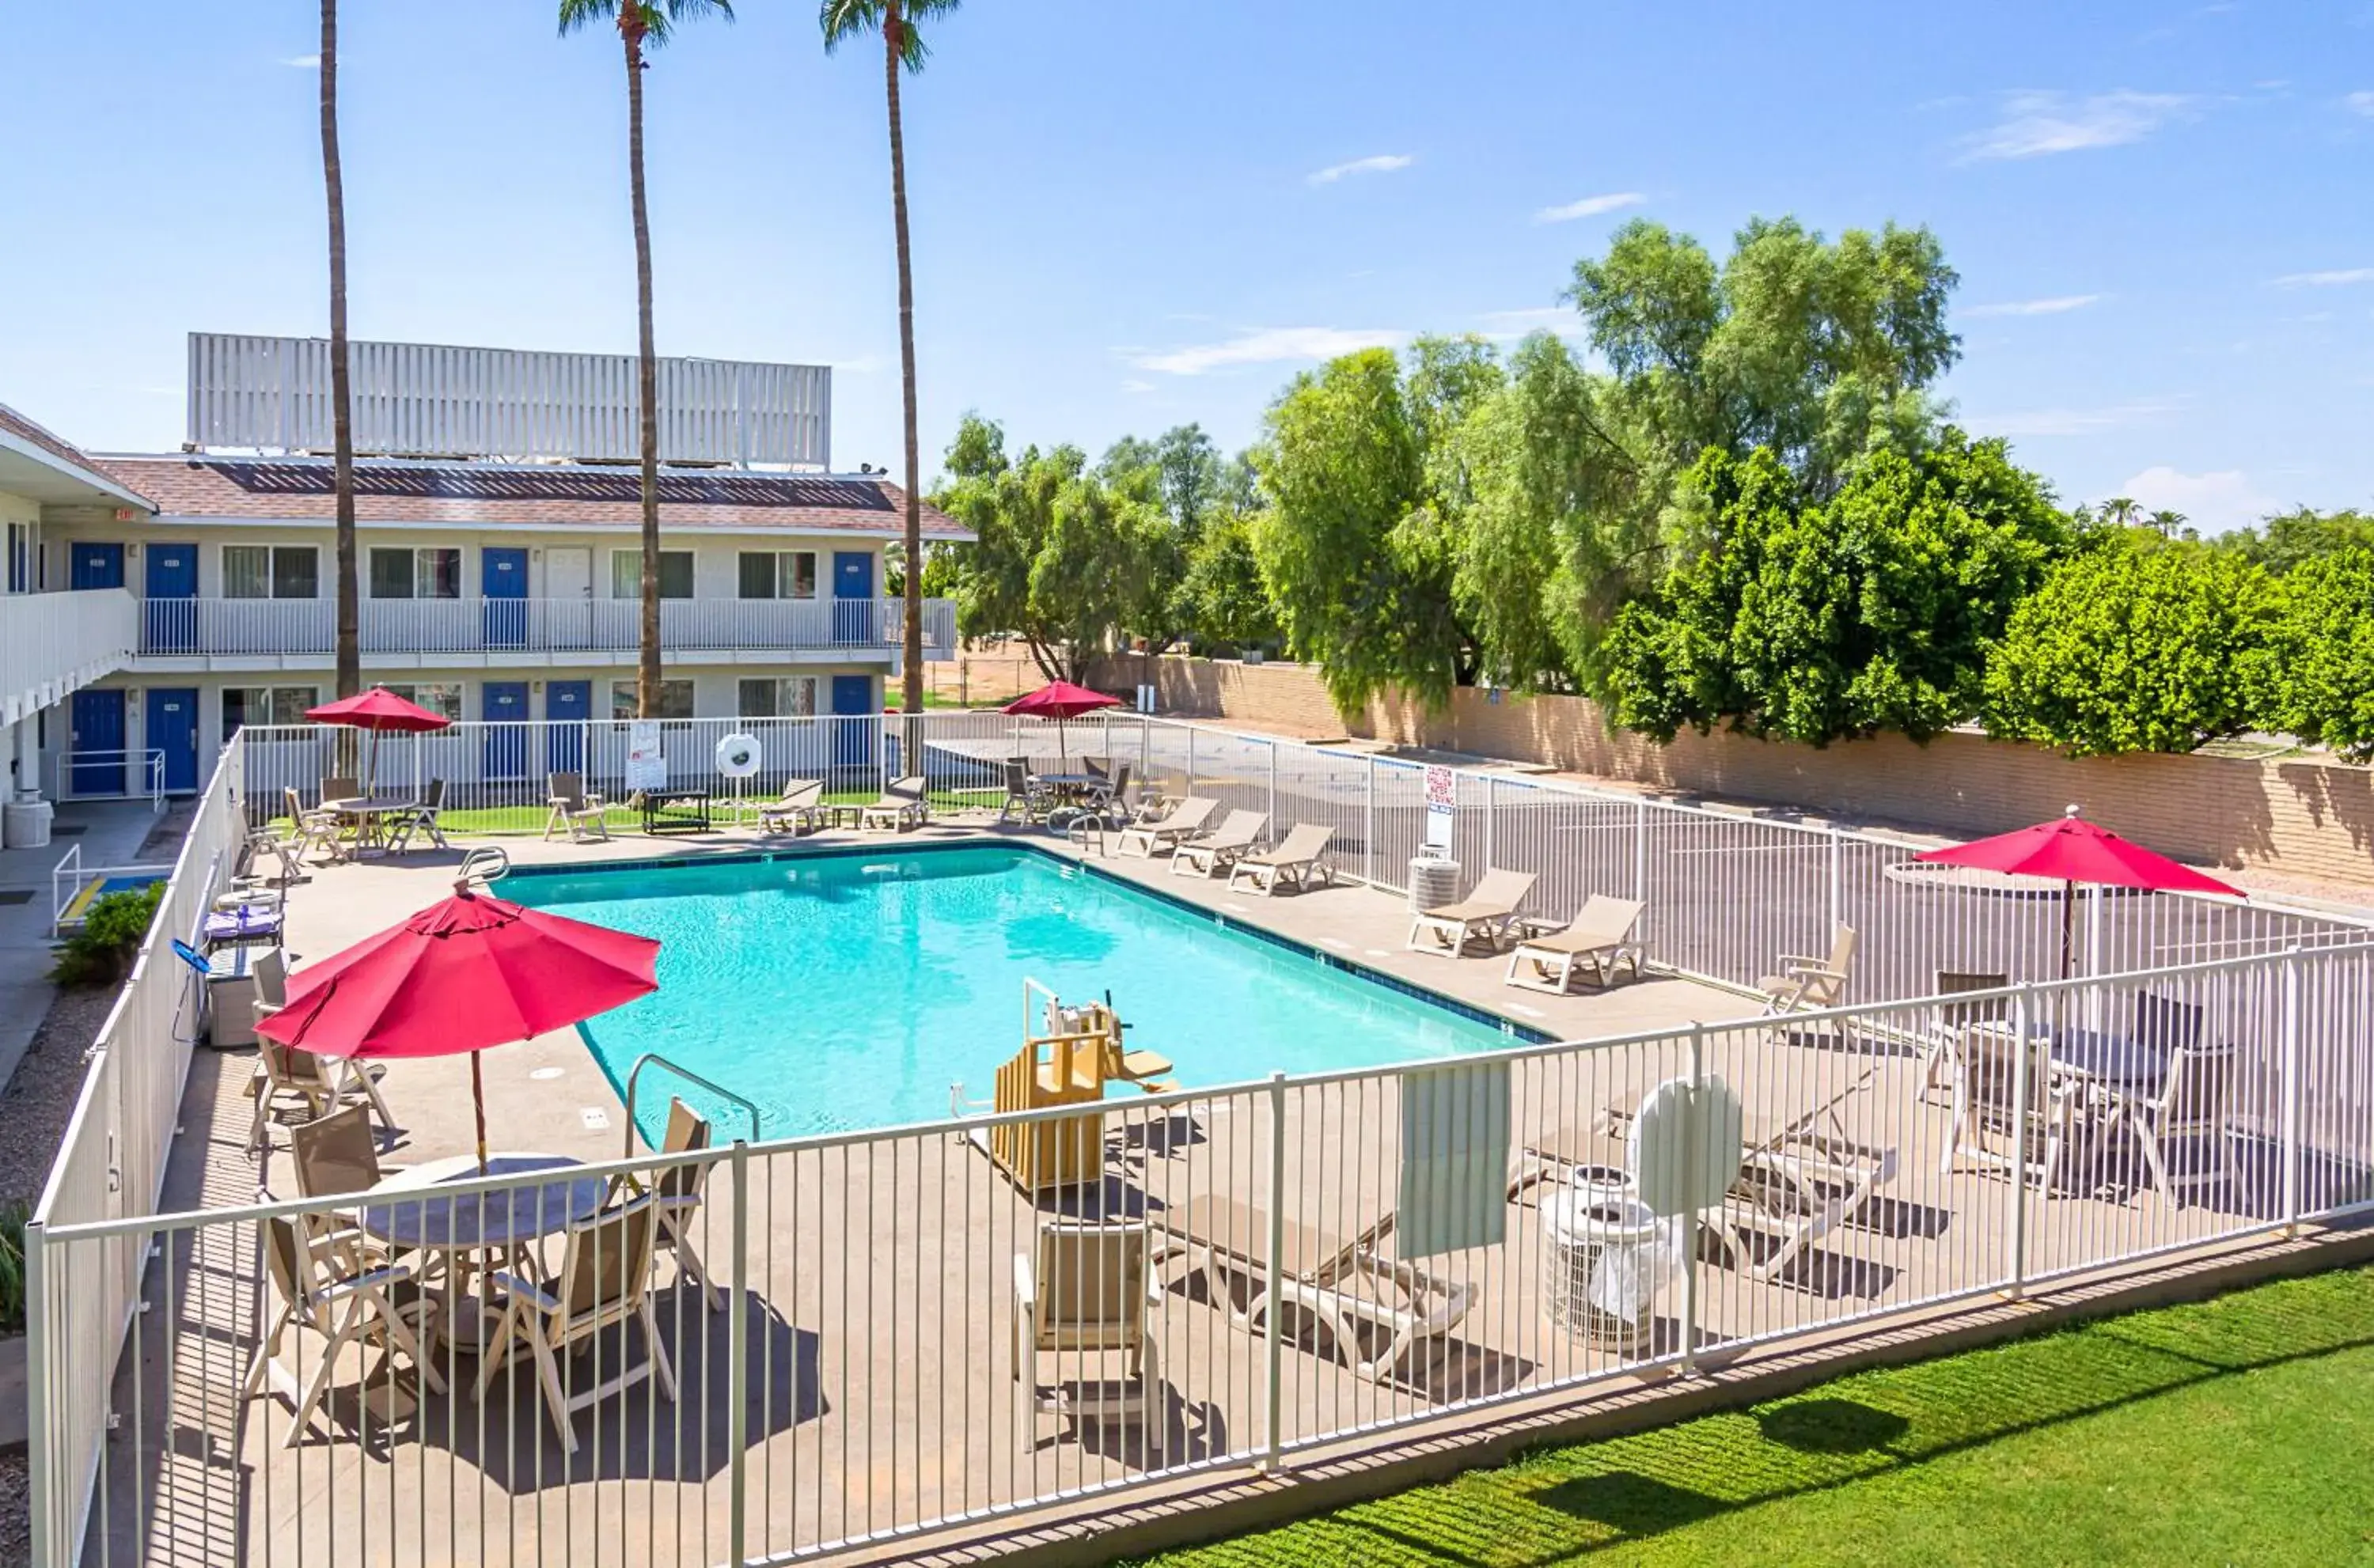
[1190, 762]
[1491, 799]
[1273, 1440]
[1273, 788]
[1838, 875]
[1368, 830]
[2023, 1016]
[737, 1365]
[2291, 1046]
[38, 1455]
[1641, 850]
[1690, 1239]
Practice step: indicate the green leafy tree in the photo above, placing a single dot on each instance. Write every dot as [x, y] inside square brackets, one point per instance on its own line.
[2320, 678]
[643, 25]
[2288, 539]
[1813, 619]
[2136, 644]
[1226, 606]
[902, 50]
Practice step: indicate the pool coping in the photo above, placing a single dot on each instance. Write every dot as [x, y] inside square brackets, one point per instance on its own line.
[1516, 1029]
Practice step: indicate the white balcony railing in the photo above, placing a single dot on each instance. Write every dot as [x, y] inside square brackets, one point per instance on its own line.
[52, 643]
[175, 627]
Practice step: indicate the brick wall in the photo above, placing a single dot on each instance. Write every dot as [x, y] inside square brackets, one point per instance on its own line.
[2301, 818]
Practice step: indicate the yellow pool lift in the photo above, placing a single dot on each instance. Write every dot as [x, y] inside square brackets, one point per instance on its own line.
[1073, 1053]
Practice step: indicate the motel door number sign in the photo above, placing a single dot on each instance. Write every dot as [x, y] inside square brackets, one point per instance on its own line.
[1441, 799]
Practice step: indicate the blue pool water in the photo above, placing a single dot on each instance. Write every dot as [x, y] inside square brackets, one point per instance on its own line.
[846, 991]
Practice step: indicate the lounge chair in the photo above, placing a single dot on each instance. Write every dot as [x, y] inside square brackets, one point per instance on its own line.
[420, 818]
[288, 1080]
[1296, 863]
[323, 1290]
[606, 1271]
[799, 809]
[1808, 982]
[1490, 911]
[582, 814]
[1222, 847]
[1599, 938]
[1179, 822]
[903, 806]
[1084, 1293]
[1362, 1299]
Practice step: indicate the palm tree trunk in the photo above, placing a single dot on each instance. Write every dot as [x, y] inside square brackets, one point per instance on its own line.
[911, 644]
[342, 417]
[647, 668]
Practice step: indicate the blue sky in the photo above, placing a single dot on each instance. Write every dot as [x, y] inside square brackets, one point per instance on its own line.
[1128, 215]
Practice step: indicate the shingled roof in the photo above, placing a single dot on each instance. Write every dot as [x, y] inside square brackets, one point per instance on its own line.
[33, 435]
[553, 495]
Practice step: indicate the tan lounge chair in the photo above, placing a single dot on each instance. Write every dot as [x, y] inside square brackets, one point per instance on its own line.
[1808, 982]
[1490, 911]
[1222, 847]
[1378, 1311]
[1598, 939]
[1181, 822]
[583, 815]
[799, 809]
[1299, 861]
[605, 1272]
[902, 806]
[1084, 1293]
[327, 1291]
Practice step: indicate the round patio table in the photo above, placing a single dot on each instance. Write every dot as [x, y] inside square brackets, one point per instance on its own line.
[370, 813]
[478, 1231]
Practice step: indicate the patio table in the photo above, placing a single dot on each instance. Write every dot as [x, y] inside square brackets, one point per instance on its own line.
[469, 1228]
[369, 813]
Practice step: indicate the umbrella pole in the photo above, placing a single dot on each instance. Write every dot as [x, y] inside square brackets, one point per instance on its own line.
[478, 1104]
[2068, 930]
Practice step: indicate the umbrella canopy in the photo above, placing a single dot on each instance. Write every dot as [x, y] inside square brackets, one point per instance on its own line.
[462, 974]
[1061, 699]
[2070, 850]
[378, 709]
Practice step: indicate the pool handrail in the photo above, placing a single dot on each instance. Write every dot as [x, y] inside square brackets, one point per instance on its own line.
[634, 1073]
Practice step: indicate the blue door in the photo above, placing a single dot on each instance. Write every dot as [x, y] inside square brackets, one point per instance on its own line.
[502, 580]
[95, 565]
[569, 703]
[506, 755]
[854, 724]
[172, 607]
[173, 730]
[98, 734]
[853, 592]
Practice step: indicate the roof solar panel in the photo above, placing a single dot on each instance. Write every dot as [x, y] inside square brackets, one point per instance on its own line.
[459, 484]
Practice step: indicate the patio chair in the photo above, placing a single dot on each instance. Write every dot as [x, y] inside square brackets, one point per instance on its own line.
[1807, 983]
[1222, 847]
[287, 1079]
[679, 1190]
[1378, 1311]
[261, 845]
[335, 1154]
[338, 787]
[312, 828]
[1183, 820]
[603, 1283]
[904, 805]
[799, 809]
[1296, 863]
[1943, 1052]
[420, 817]
[1598, 938]
[2191, 1104]
[1989, 1126]
[574, 809]
[1490, 911]
[324, 1292]
[1025, 797]
[1084, 1293]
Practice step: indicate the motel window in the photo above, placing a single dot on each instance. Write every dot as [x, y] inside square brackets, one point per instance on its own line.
[440, 698]
[779, 574]
[626, 574]
[266, 705]
[676, 699]
[21, 558]
[272, 571]
[434, 573]
[787, 697]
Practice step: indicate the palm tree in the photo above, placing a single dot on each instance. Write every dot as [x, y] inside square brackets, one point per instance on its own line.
[902, 45]
[2121, 511]
[644, 24]
[2167, 522]
[342, 408]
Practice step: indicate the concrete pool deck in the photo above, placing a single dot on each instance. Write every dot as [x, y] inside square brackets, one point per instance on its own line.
[879, 1310]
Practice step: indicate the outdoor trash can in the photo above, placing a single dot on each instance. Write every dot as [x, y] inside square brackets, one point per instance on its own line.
[1604, 1258]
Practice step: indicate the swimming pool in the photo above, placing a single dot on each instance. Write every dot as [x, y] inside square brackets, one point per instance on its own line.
[849, 991]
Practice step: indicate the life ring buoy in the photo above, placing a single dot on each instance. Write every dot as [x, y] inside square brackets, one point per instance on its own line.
[738, 755]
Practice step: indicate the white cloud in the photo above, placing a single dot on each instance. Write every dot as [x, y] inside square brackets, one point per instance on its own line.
[1507, 326]
[2069, 421]
[1590, 206]
[1384, 163]
[2056, 304]
[2361, 103]
[1267, 345]
[2036, 125]
[303, 63]
[2325, 279]
[1135, 385]
[2211, 502]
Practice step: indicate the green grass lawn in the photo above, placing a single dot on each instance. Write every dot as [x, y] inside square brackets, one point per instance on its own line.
[2235, 1431]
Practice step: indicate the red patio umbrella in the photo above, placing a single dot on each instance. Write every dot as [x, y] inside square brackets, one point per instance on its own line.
[2070, 850]
[468, 973]
[377, 709]
[1060, 700]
